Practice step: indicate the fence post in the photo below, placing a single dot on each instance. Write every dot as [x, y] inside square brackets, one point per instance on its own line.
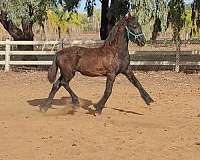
[7, 55]
[61, 44]
[178, 45]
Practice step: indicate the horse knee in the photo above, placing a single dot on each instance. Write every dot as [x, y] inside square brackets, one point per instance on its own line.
[56, 85]
[63, 82]
[129, 72]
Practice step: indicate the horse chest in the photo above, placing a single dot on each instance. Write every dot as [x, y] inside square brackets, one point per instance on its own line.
[124, 62]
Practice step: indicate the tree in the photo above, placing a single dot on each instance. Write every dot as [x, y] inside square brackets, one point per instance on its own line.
[19, 16]
[188, 22]
[110, 14]
[152, 15]
[195, 16]
[112, 10]
[60, 20]
[176, 17]
[104, 19]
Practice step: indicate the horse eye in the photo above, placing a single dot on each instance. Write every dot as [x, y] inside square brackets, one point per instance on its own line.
[135, 26]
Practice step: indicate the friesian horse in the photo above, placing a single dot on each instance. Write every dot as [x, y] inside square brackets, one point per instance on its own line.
[109, 60]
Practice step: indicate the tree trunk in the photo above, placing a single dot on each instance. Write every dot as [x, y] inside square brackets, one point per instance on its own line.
[104, 20]
[26, 48]
[178, 48]
[59, 32]
[156, 29]
[27, 36]
[24, 34]
[111, 18]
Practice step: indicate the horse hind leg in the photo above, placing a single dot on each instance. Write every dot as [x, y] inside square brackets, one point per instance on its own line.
[56, 86]
[65, 83]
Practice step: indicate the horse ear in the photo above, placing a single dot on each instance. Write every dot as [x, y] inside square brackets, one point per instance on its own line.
[128, 16]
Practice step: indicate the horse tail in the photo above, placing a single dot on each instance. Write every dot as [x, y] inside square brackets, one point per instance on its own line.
[53, 70]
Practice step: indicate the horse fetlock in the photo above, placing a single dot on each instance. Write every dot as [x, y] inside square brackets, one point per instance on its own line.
[56, 86]
[75, 101]
[149, 100]
[98, 108]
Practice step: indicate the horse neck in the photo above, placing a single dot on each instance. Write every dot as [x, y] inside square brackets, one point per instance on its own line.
[121, 42]
[118, 39]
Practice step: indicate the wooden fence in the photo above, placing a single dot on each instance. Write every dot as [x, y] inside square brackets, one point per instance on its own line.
[8, 52]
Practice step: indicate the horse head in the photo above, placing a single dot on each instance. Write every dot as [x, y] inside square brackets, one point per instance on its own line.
[134, 30]
[130, 25]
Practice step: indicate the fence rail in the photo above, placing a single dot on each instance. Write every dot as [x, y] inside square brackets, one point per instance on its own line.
[7, 53]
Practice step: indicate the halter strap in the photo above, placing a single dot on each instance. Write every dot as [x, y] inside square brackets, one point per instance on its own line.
[133, 34]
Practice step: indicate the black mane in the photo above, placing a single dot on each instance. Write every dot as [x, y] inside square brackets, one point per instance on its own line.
[112, 34]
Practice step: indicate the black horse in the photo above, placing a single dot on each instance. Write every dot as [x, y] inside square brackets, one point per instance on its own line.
[108, 60]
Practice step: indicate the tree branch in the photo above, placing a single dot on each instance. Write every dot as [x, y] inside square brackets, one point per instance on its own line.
[11, 28]
[27, 30]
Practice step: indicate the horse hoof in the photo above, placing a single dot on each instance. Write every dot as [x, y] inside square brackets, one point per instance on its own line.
[97, 113]
[98, 110]
[44, 109]
[149, 101]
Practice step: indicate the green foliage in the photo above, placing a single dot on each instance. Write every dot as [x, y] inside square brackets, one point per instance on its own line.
[69, 5]
[176, 17]
[90, 23]
[90, 7]
[31, 11]
[119, 8]
[35, 11]
[97, 13]
[60, 18]
[188, 21]
[72, 5]
[195, 16]
[148, 11]
[63, 12]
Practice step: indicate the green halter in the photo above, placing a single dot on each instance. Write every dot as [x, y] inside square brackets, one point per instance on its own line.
[129, 33]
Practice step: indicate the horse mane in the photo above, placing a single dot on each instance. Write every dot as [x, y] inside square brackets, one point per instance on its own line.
[112, 34]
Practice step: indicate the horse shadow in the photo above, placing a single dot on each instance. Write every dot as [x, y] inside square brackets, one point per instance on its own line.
[127, 111]
[65, 102]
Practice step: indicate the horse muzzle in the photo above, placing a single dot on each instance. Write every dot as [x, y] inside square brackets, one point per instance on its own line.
[140, 41]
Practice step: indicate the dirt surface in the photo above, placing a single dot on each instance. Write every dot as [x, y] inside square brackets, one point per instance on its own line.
[126, 130]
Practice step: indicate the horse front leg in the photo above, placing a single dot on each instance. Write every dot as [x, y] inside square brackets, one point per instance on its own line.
[131, 77]
[109, 85]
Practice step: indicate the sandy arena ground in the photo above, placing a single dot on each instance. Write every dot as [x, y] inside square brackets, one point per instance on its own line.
[126, 130]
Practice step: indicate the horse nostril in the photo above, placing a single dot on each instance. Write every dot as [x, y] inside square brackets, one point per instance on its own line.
[143, 43]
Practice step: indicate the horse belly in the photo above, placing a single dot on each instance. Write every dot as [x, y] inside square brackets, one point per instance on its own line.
[90, 66]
